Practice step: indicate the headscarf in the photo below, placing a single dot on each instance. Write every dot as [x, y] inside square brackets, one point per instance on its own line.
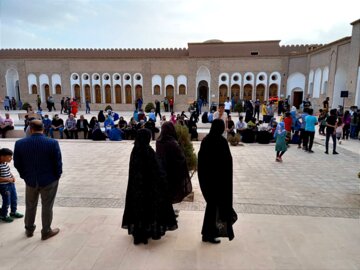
[167, 132]
[293, 108]
[143, 137]
[217, 127]
[280, 129]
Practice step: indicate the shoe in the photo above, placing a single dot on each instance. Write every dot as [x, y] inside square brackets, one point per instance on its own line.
[16, 215]
[277, 159]
[326, 152]
[299, 146]
[340, 141]
[50, 233]
[335, 153]
[211, 240]
[310, 151]
[7, 219]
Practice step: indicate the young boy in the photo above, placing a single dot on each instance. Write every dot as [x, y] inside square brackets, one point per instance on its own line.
[7, 187]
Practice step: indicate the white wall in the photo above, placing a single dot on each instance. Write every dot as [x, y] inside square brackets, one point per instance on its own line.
[317, 83]
[43, 79]
[357, 95]
[325, 79]
[339, 85]
[295, 80]
[11, 78]
[32, 80]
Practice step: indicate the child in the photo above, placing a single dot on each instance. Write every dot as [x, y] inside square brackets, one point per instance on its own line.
[339, 129]
[280, 137]
[7, 187]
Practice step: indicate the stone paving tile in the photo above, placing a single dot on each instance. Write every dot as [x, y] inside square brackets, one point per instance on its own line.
[95, 175]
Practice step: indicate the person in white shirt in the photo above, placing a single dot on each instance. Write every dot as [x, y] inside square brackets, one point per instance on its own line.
[227, 105]
[240, 125]
[220, 114]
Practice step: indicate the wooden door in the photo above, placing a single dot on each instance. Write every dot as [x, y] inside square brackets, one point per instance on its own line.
[107, 93]
[156, 90]
[170, 92]
[235, 92]
[128, 94]
[222, 93]
[117, 93]
[260, 92]
[138, 92]
[273, 90]
[298, 98]
[34, 89]
[87, 93]
[247, 92]
[97, 94]
[77, 92]
[47, 91]
[182, 89]
[58, 89]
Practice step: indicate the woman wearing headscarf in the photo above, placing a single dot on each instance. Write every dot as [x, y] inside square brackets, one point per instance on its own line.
[148, 210]
[174, 163]
[215, 172]
[280, 138]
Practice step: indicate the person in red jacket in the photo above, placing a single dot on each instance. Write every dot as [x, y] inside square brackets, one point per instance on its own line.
[288, 124]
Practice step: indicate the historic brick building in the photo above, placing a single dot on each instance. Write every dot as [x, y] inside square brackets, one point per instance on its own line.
[212, 70]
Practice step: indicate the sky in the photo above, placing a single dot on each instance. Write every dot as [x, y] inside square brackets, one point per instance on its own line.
[171, 23]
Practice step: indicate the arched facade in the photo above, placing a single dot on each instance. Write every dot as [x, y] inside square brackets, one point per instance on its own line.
[85, 87]
[325, 79]
[182, 85]
[138, 82]
[169, 87]
[12, 84]
[116, 78]
[156, 85]
[249, 80]
[56, 84]
[96, 88]
[310, 82]
[128, 88]
[44, 87]
[32, 84]
[203, 84]
[339, 85]
[295, 88]
[274, 85]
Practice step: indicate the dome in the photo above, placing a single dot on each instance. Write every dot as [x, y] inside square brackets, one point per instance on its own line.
[214, 41]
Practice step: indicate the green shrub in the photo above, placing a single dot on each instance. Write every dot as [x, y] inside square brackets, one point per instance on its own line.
[108, 107]
[239, 107]
[25, 106]
[149, 107]
[185, 143]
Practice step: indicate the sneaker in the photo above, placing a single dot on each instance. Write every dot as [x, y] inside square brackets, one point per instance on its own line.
[7, 219]
[16, 215]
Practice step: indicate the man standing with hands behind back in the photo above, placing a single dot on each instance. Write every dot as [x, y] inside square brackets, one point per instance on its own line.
[38, 161]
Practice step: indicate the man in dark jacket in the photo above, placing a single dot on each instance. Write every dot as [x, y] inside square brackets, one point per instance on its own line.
[38, 161]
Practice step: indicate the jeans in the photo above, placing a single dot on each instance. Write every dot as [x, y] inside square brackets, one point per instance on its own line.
[47, 194]
[333, 136]
[13, 198]
[59, 129]
[310, 138]
[353, 131]
[5, 194]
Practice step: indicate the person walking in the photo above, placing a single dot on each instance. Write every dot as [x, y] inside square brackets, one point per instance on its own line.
[310, 122]
[215, 173]
[280, 138]
[38, 161]
[157, 108]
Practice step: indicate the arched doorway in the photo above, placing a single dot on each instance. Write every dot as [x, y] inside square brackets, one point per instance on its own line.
[297, 97]
[87, 92]
[248, 92]
[182, 89]
[117, 93]
[260, 92]
[170, 92]
[235, 92]
[128, 97]
[58, 89]
[97, 94]
[47, 91]
[138, 91]
[77, 94]
[203, 91]
[12, 83]
[34, 89]
[223, 89]
[273, 90]
[107, 93]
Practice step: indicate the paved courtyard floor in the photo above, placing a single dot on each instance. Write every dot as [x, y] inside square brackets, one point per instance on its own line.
[299, 214]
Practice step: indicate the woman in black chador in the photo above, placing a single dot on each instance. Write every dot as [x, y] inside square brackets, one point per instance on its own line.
[148, 210]
[174, 162]
[215, 174]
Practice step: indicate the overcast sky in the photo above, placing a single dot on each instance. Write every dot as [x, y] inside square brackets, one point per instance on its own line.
[170, 23]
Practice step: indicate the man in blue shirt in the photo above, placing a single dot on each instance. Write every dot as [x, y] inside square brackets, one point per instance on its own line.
[310, 122]
[38, 161]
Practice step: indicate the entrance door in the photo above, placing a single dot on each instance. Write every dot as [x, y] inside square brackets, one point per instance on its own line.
[77, 94]
[298, 98]
[273, 90]
[47, 91]
[97, 94]
[235, 92]
[87, 93]
[107, 93]
[138, 91]
[222, 93]
[248, 92]
[170, 92]
[260, 92]
[128, 94]
[203, 91]
[118, 93]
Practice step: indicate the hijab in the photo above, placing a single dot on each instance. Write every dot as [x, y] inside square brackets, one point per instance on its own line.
[217, 127]
[280, 129]
[168, 132]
